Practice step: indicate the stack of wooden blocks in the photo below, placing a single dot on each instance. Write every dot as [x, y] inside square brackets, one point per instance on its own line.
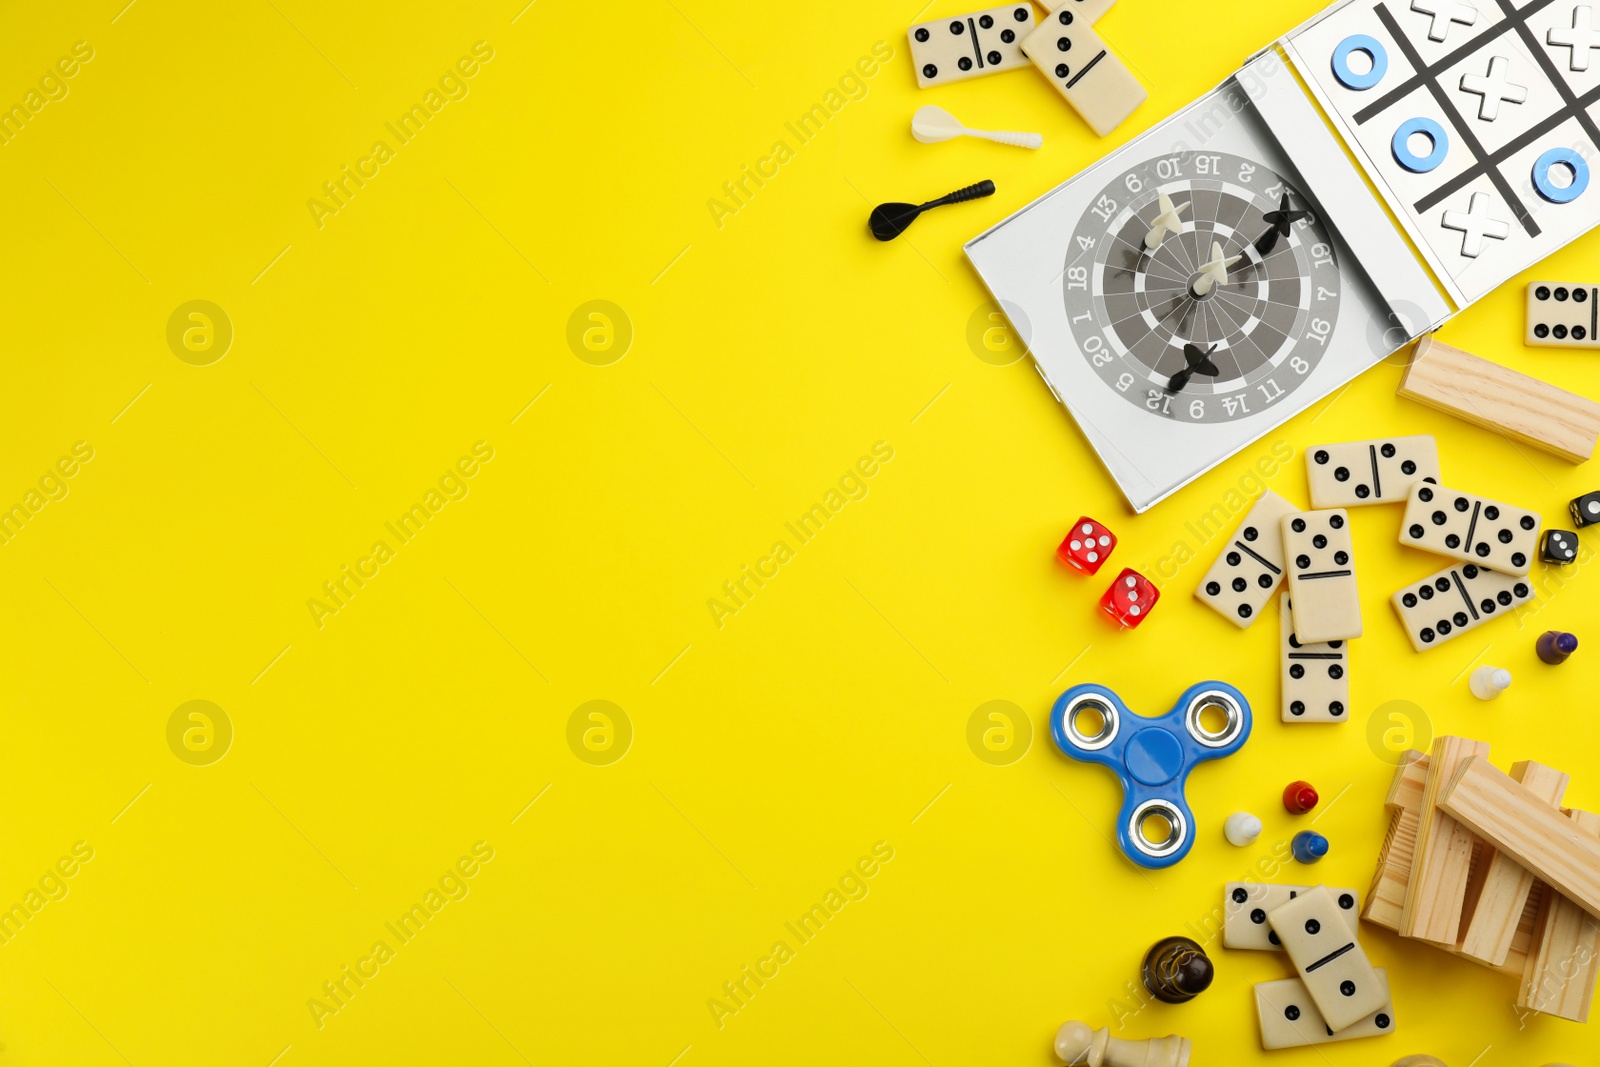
[1488, 866]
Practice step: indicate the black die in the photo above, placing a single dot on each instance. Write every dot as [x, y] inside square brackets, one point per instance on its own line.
[1586, 509]
[1558, 546]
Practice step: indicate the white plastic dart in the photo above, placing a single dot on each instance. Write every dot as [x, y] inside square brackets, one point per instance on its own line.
[932, 124]
[1213, 272]
[1166, 222]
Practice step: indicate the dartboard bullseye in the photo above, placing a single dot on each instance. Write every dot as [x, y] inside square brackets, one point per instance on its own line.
[1230, 311]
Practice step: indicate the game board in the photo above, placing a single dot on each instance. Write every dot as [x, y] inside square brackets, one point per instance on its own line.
[1470, 122]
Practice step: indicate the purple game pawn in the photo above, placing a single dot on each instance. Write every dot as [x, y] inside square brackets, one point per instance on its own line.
[1554, 646]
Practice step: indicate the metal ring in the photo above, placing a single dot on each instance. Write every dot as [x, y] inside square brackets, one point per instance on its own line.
[1175, 840]
[1213, 698]
[1109, 722]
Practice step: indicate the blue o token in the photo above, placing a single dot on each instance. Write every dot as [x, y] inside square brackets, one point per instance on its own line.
[1409, 159]
[1360, 42]
[1560, 157]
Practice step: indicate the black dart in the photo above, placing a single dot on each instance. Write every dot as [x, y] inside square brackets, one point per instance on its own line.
[889, 221]
[1280, 221]
[1199, 361]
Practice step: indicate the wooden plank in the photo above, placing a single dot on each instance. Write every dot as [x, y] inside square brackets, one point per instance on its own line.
[1387, 896]
[1561, 972]
[1489, 803]
[1409, 780]
[1498, 398]
[1438, 884]
[1497, 891]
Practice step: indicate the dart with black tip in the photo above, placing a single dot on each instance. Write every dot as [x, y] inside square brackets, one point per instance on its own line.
[889, 221]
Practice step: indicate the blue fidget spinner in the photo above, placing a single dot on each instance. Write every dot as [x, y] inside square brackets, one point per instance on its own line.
[1152, 757]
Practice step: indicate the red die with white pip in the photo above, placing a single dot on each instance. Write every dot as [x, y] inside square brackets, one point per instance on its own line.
[1086, 546]
[1130, 598]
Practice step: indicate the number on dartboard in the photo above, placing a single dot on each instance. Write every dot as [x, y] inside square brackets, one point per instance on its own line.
[1134, 313]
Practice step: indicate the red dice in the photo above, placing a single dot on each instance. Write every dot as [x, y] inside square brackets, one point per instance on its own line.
[1130, 598]
[1086, 546]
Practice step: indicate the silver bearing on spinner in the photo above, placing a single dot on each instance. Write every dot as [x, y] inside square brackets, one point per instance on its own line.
[1233, 718]
[1177, 829]
[1109, 722]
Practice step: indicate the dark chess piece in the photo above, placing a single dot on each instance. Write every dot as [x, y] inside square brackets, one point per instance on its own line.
[1176, 970]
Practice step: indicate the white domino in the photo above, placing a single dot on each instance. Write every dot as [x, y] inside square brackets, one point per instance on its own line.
[1563, 316]
[1316, 675]
[1289, 1017]
[1470, 528]
[1455, 600]
[1242, 580]
[1370, 472]
[1245, 906]
[969, 46]
[1328, 955]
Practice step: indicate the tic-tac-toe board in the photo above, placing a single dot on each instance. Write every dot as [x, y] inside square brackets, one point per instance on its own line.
[1478, 120]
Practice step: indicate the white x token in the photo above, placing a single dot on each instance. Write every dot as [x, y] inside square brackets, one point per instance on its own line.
[1475, 224]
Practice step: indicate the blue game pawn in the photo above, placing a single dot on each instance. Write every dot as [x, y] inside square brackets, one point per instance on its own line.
[1554, 646]
[1309, 846]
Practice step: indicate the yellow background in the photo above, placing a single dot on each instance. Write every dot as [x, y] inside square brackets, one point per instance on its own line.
[768, 754]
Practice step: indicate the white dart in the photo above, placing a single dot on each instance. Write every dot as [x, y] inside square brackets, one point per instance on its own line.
[1166, 222]
[932, 124]
[1214, 272]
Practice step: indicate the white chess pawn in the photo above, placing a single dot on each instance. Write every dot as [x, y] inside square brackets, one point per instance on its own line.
[1077, 1045]
[1241, 829]
[1487, 683]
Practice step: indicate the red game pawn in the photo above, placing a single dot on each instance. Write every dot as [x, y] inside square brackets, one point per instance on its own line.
[1299, 798]
[1130, 598]
[1087, 545]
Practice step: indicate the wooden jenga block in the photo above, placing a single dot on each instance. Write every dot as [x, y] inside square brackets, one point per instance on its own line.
[1498, 398]
[1561, 973]
[1410, 778]
[1497, 890]
[1387, 896]
[1490, 804]
[1438, 884]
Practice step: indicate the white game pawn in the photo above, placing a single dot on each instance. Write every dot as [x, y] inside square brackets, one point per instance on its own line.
[1487, 683]
[1214, 271]
[1166, 222]
[1475, 224]
[1582, 37]
[932, 124]
[1241, 829]
[1077, 1045]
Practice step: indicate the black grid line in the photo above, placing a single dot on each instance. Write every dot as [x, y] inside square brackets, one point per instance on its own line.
[1447, 61]
[1499, 156]
[1430, 78]
[1551, 71]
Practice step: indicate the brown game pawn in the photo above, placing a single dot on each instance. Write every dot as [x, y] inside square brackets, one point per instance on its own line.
[1176, 970]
